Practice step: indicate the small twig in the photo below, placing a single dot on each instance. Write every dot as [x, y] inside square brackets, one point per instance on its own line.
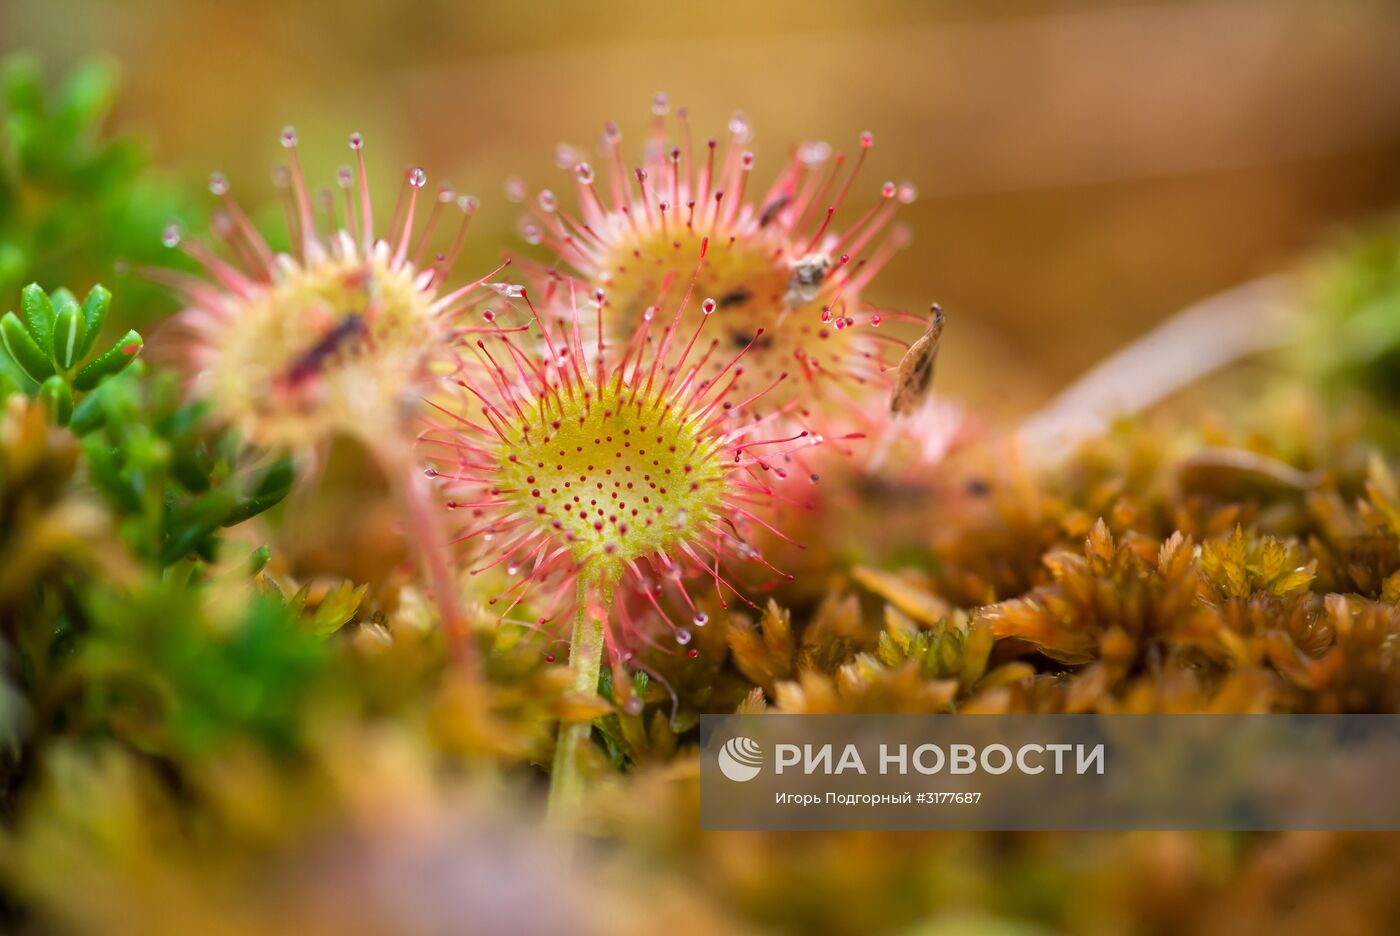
[1202, 338]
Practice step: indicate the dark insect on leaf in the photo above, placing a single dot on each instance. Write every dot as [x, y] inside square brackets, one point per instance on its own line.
[808, 274]
[737, 297]
[914, 374]
[349, 329]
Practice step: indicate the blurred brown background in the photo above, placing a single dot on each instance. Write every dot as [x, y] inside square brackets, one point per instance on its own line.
[1085, 169]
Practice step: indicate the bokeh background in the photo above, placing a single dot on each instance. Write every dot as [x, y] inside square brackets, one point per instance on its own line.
[1085, 169]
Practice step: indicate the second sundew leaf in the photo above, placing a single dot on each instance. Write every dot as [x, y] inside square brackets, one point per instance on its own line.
[23, 349]
[112, 361]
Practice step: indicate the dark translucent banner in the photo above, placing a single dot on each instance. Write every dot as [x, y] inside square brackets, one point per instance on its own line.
[1050, 772]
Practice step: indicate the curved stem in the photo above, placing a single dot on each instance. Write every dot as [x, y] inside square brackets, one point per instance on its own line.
[1200, 339]
[423, 525]
[586, 663]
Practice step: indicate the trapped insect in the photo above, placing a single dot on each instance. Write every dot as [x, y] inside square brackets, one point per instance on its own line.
[914, 375]
[343, 334]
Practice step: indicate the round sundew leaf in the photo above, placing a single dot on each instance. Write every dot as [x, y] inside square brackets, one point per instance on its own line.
[617, 476]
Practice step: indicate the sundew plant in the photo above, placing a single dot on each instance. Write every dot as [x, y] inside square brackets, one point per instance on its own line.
[602, 482]
[793, 257]
[336, 337]
[370, 552]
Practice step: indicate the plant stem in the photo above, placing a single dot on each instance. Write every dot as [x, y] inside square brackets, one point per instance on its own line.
[586, 662]
[423, 524]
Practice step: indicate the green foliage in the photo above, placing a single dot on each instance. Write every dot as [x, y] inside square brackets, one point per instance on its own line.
[1352, 330]
[94, 518]
[74, 201]
[97, 502]
[181, 674]
[44, 348]
[172, 478]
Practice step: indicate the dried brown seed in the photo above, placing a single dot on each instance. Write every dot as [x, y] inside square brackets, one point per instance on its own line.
[914, 374]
